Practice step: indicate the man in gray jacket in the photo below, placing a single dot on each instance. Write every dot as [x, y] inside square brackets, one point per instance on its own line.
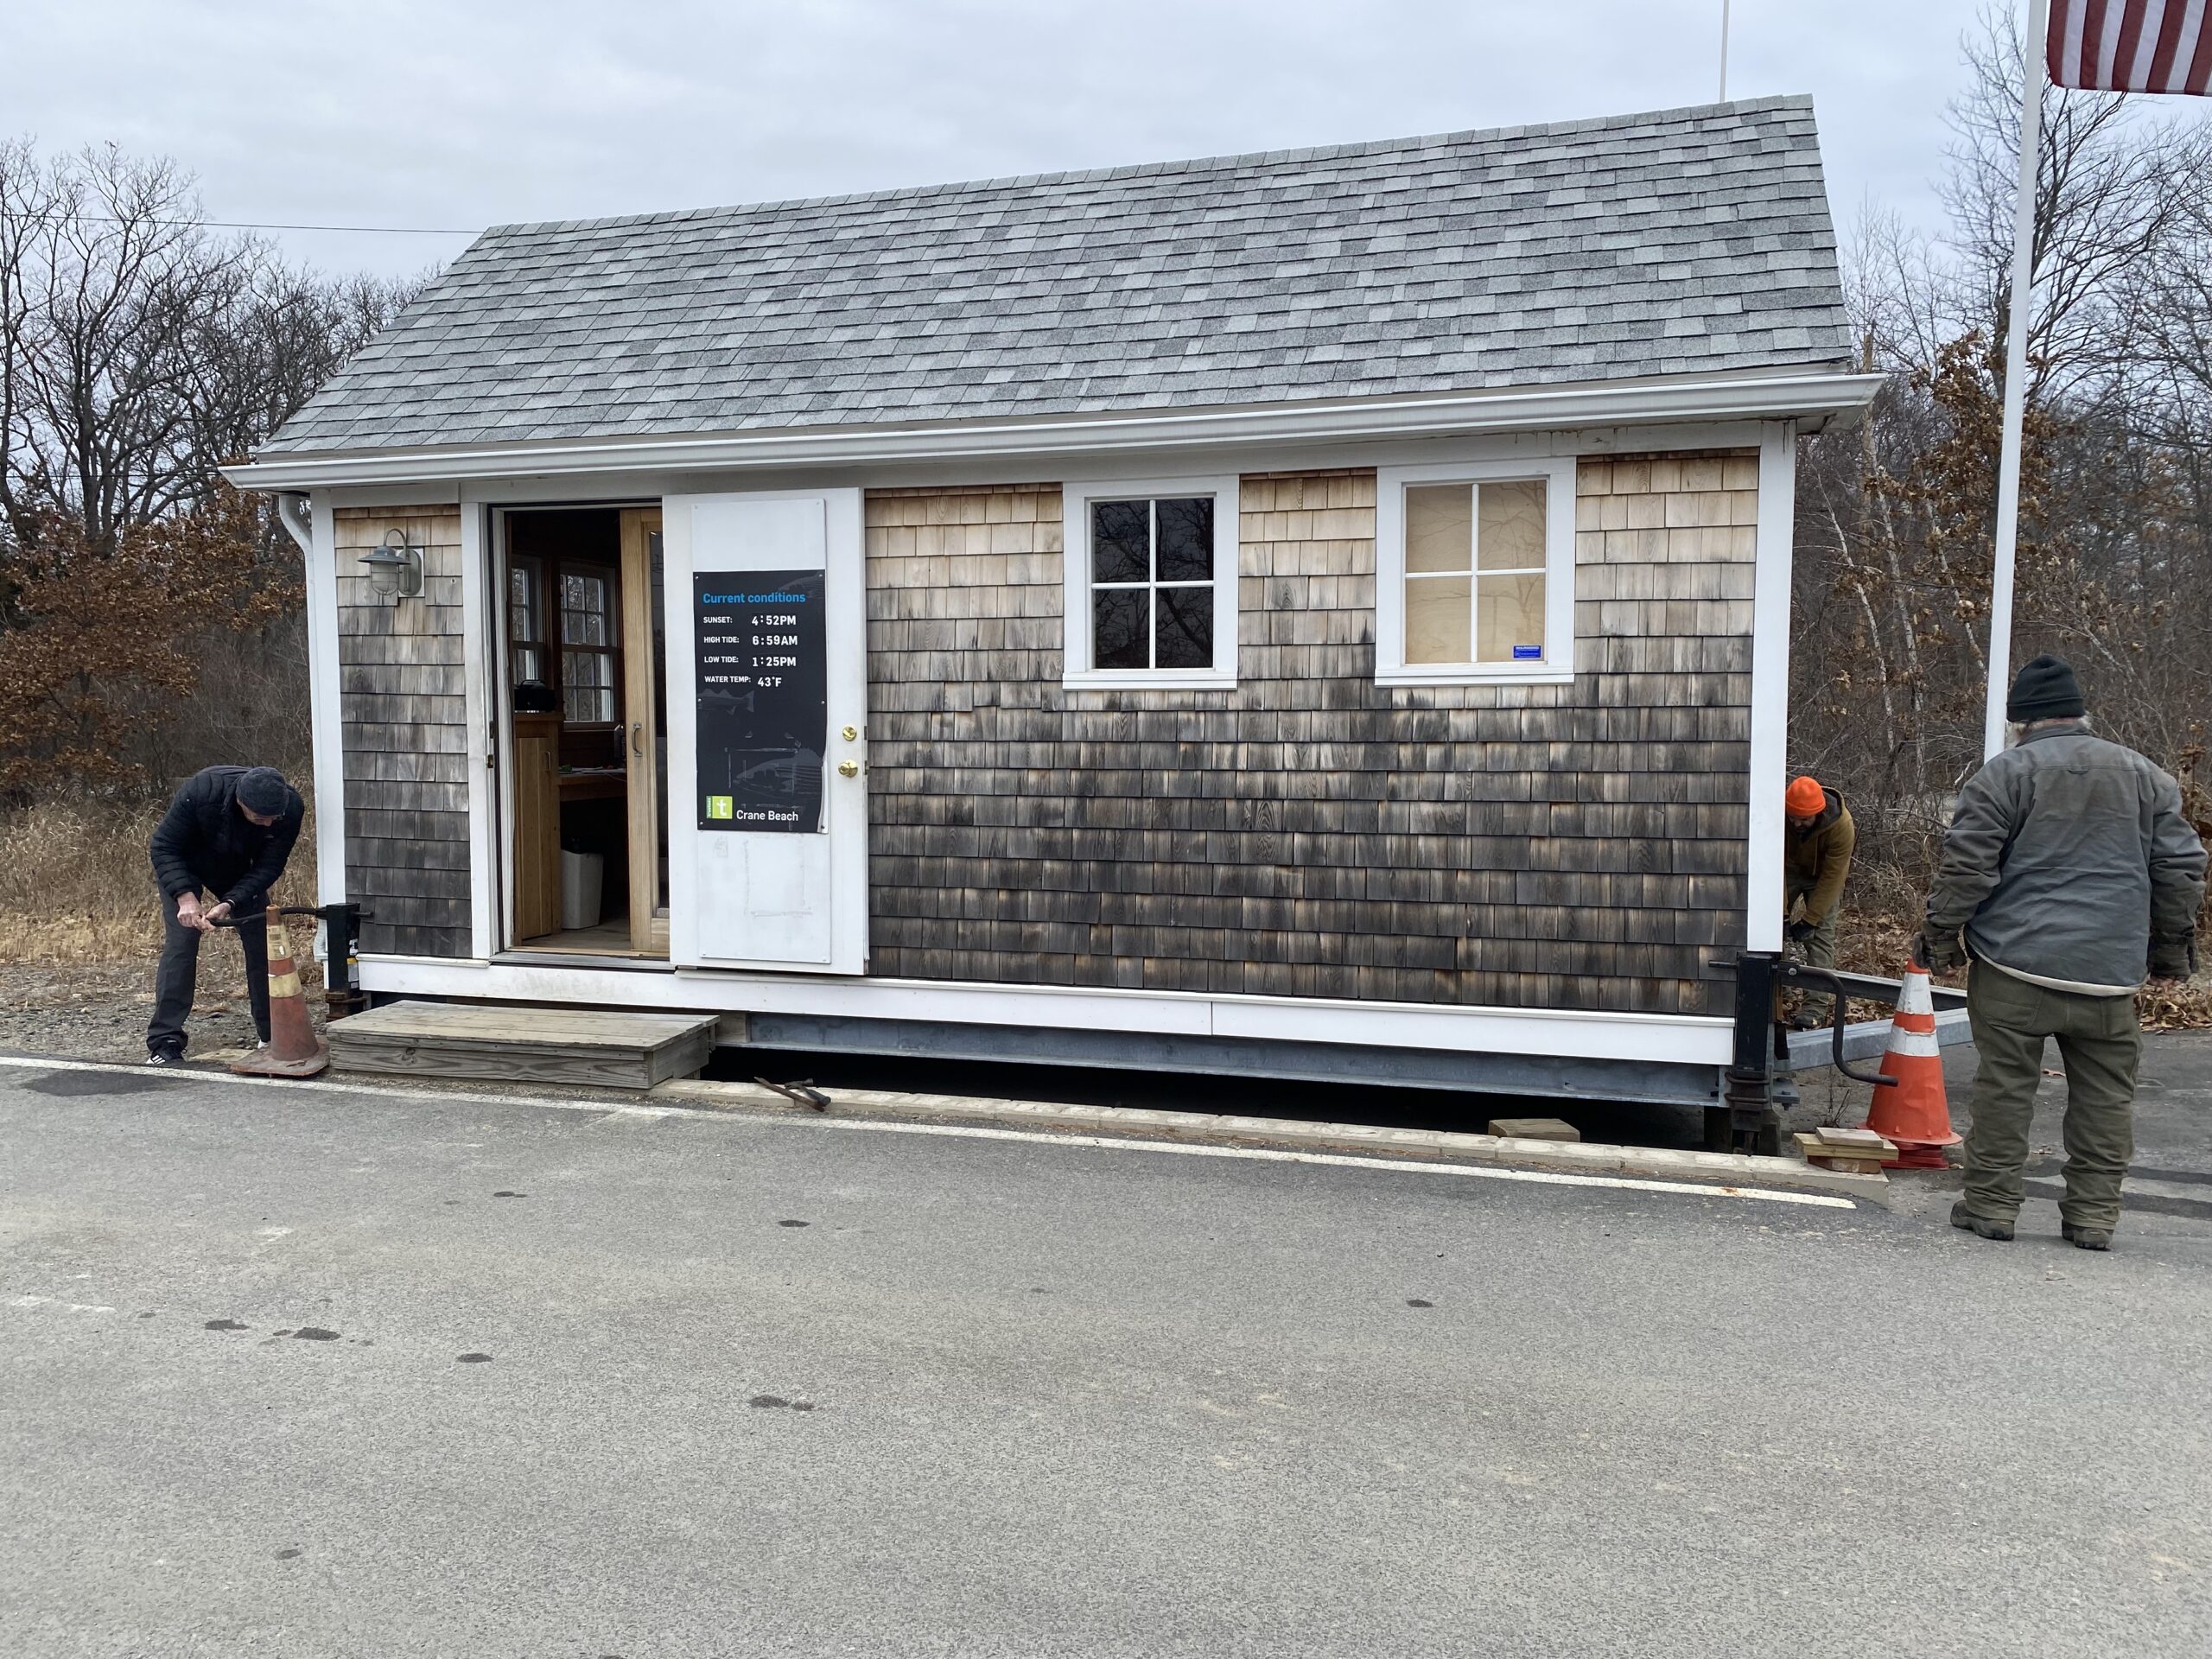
[2074, 874]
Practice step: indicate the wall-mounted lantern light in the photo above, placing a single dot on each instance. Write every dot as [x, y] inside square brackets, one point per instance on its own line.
[395, 568]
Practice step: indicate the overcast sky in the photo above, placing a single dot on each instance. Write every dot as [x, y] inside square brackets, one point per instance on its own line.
[463, 113]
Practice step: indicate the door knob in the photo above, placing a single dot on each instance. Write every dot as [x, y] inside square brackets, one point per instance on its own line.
[851, 733]
[848, 768]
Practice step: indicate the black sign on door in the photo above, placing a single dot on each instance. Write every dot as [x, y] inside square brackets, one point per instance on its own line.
[763, 699]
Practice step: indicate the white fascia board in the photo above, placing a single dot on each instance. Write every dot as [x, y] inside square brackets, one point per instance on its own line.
[646, 487]
[1807, 397]
[422, 493]
[1648, 1037]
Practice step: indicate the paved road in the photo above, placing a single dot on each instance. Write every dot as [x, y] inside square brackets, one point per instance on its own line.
[994, 1397]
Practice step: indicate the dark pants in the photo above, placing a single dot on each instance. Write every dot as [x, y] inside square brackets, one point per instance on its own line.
[2101, 1043]
[180, 970]
[1817, 950]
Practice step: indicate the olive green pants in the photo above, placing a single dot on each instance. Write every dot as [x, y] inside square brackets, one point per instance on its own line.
[1816, 950]
[2100, 1043]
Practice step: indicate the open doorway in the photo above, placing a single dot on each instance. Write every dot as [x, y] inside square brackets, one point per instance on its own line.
[586, 698]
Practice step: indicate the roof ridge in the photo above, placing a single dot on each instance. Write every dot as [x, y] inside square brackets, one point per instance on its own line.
[1772, 103]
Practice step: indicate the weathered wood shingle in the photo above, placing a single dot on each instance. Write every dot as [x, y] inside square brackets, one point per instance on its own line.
[403, 708]
[1310, 833]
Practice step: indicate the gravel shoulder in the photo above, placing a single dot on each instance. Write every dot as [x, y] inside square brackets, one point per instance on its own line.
[99, 1010]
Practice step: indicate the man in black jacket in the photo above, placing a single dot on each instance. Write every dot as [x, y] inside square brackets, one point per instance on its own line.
[229, 829]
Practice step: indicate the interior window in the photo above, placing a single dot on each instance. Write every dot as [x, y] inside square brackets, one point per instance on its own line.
[1152, 583]
[587, 667]
[525, 621]
[1474, 572]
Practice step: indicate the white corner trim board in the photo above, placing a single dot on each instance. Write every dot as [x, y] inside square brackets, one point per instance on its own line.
[1657, 1038]
[1769, 749]
[1814, 397]
[326, 714]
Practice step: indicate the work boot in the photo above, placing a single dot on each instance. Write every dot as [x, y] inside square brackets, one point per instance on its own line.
[1983, 1226]
[2086, 1238]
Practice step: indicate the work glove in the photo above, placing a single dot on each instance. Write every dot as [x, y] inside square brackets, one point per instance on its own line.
[2173, 958]
[1800, 931]
[1938, 956]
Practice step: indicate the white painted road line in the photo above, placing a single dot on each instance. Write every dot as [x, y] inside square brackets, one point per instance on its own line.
[55, 1301]
[959, 1131]
[1342, 1160]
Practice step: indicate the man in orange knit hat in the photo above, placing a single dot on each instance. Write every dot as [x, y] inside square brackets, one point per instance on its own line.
[1815, 858]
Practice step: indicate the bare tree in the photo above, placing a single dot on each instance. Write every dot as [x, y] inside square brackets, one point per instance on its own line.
[1897, 516]
[138, 351]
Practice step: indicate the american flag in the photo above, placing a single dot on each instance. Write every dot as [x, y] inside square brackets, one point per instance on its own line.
[2132, 46]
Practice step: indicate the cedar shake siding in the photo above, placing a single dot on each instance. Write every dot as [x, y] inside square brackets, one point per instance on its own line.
[403, 702]
[1310, 833]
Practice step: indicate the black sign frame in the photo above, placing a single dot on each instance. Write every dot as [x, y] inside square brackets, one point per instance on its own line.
[762, 668]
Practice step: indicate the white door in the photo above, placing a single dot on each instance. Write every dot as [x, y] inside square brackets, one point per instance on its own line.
[767, 706]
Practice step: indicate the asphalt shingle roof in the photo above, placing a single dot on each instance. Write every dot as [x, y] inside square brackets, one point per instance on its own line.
[1686, 241]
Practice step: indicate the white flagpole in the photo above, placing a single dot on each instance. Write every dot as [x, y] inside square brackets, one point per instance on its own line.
[2016, 381]
[1724, 51]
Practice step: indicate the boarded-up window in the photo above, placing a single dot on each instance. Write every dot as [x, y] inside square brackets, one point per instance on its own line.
[1474, 573]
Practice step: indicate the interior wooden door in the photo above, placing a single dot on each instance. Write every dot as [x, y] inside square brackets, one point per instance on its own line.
[537, 826]
[640, 658]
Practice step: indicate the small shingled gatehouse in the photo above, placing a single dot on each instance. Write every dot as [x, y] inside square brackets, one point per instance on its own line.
[1321, 614]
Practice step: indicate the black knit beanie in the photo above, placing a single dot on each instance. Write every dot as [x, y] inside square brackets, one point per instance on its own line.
[262, 790]
[2045, 689]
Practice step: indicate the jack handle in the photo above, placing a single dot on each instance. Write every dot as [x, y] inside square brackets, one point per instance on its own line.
[1798, 973]
[325, 913]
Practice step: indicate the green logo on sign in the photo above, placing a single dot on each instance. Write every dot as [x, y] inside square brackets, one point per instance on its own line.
[718, 806]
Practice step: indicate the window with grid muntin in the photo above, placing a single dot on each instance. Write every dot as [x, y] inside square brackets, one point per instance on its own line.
[1475, 572]
[1152, 583]
[525, 622]
[587, 649]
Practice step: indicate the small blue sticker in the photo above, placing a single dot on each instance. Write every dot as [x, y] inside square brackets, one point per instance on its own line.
[1527, 653]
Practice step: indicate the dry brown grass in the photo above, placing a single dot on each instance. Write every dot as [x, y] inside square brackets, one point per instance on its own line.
[76, 884]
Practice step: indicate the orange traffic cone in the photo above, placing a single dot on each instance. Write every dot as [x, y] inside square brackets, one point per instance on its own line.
[1913, 1111]
[293, 1050]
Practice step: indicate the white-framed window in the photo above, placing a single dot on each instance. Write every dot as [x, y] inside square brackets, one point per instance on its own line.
[587, 647]
[1151, 578]
[525, 621]
[1474, 569]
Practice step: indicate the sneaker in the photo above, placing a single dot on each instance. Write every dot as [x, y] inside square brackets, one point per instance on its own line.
[1981, 1226]
[164, 1057]
[2086, 1238]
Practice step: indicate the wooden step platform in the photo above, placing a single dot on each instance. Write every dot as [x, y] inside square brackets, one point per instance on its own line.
[610, 1048]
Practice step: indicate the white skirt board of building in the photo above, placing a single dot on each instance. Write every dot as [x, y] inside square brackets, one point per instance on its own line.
[1321, 614]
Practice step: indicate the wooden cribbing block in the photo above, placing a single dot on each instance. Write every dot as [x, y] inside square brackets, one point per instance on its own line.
[1863, 1154]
